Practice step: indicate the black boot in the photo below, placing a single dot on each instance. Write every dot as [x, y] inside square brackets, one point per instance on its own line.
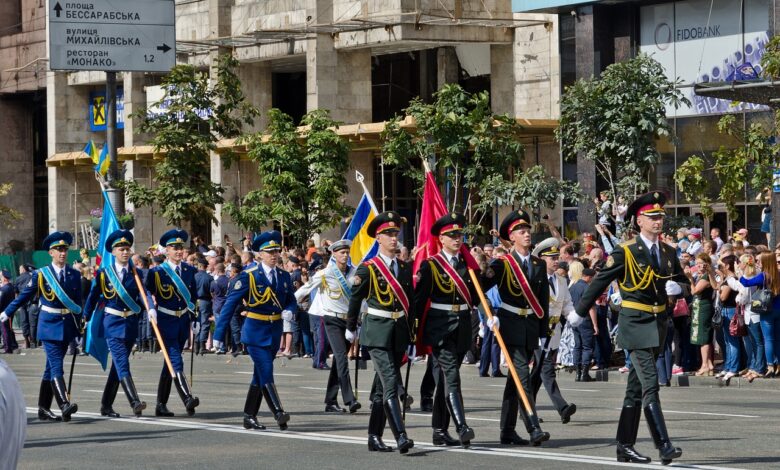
[537, 435]
[441, 437]
[45, 397]
[655, 420]
[376, 427]
[197, 348]
[275, 404]
[163, 392]
[61, 395]
[455, 405]
[585, 374]
[136, 404]
[190, 402]
[628, 426]
[253, 398]
[153, 346]
[395, 419]
[567, 412]
[107, 401]
[578, 376]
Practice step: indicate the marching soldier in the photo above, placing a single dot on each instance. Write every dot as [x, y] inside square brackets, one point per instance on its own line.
[59, 321]
[522, 319]
[385, 283]
[643, 266]
[443, 281]
[545, 354]
[172, 284]
[115, 290]
[269, 298]
[334, 285]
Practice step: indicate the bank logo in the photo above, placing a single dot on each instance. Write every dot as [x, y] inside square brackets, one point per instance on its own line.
[663, 36]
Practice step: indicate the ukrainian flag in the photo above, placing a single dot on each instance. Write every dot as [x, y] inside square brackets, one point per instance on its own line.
[102, 163]
[363, 246]
[91, 150]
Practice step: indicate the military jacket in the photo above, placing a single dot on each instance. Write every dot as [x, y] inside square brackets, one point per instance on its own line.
[637, 329]
[166, 295]
[102, 294]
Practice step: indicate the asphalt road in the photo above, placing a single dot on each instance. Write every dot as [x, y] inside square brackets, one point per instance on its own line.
[717, 427]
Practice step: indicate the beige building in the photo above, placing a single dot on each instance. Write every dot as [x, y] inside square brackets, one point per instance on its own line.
[361, 59]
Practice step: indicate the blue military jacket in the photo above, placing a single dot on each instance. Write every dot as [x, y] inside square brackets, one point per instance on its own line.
[161, 286]
[102, 295]
[255, 289]
[52, 326]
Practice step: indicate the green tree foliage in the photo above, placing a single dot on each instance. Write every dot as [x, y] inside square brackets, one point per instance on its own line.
[474, 150]
[614, 120]
[8, 215]
[730, 169]
[197, 113]
[302, 173]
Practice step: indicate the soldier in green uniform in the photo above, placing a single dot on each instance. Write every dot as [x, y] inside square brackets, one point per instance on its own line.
[444, 282]
[385, 283]
[643, 267]
[522, 319]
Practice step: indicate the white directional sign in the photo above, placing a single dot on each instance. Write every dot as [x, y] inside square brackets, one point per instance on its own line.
[112, 35]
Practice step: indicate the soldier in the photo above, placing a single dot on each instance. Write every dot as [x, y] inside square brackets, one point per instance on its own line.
[334, 289]
[269, 296]
[385, 283]
[59, 321]
[172, 283]
[544, 356]
[443, 281]
[643, 267]
[115, 290]
[522, 319]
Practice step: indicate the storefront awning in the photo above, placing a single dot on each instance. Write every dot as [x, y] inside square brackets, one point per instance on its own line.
[362, 137]
[748, 91]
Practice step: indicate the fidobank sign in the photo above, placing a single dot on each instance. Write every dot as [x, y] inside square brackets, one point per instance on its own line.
[112, 35]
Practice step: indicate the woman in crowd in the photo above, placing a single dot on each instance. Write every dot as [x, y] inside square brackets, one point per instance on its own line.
[565, 357]
[769, 278]
[754, 341]
[728, 298]
[701, 322]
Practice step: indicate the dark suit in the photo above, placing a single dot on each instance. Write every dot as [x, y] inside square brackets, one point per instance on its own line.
[521, 333]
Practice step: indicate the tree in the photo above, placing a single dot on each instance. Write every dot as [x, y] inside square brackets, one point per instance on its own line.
[8, 215]
[196, 114]
[614, 120]
[302, 173]
[474, 151]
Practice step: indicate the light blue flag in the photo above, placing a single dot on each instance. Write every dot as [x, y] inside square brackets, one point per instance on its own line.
[94, 343]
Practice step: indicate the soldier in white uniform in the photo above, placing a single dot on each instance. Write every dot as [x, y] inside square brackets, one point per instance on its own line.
[333, 284]
[560, 305]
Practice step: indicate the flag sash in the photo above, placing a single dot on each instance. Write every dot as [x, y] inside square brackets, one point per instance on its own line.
[120, 289]
[59, 291]
[177, 281]
[517, 271]
[345, 289]
[460, 284]
[392, 282]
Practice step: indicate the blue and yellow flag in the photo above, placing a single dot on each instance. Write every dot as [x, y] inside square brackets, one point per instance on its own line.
[94, 344]
[102, 163]
[91, 150]
[363, 246]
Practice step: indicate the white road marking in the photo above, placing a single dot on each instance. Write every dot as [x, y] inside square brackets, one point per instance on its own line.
[322, 389]
[90, 375]
[340, 439]
[586, 390]
[101, 391]
[275, 374]
[706, 414]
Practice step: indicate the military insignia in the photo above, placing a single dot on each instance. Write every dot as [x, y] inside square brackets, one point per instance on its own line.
[237, 285]
[655, 195]
[456, 226]
[390, 215]
[657, 206]
[454, 215]
[391, 224]
[610, 261]
[669, 264]
[519, 212]
[29, 284]
[285, 285]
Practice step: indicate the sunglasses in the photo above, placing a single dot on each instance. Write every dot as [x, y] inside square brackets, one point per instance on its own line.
[61, 249]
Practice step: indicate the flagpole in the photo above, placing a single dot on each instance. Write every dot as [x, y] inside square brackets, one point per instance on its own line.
[154, 323]
[361, 179]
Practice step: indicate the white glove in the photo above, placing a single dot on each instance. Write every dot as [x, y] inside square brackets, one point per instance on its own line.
[494, 322]
[349, 336]
[672, 288]
[287, 315]
[218, 345]
[196, 327]
[3, 317]
[152, 314]
[573, 319]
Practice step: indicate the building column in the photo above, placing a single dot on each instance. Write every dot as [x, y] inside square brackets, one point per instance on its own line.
[16, 167]
[586, 67]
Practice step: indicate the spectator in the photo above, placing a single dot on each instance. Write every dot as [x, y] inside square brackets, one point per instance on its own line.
[203, 281]
[620, 215]
[236, 321]
[710, 248]
[694, 235]
[218, 291]
[703, 283]
[311, 248]
[199, 244]
[754, 341]
[28, 314]
[769, 278]
[682, 243]
[488, 250]
[766, 218]
[715, 236]
[728, 298]
[6, 297]
[584, 332]
[742, 236]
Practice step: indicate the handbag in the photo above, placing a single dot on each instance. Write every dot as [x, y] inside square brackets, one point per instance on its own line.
[761, 301]
[737, 325]
[681, 308]
[717, 313]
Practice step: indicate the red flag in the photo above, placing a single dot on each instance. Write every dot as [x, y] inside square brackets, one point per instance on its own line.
[432, 209]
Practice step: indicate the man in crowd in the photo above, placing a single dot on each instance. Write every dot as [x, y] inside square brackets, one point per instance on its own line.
[203, 281]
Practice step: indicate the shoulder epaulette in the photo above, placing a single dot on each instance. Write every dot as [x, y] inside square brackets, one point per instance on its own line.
[253, 268]
[628, 243]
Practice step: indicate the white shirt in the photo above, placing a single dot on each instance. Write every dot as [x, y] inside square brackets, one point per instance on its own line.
[649, 246]
[174, 265]
[325, 294]
[387, 262]
[449, 257]
[560, 304]
[267, 271]
[57, 271]
[118, 267]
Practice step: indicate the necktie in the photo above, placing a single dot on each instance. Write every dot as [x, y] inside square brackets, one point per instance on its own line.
[178, 271]
[62, 277]
[552, 283]
[273, 279]
[123, 274]
[454, 262]
[654, 258]
[394, 267]
[525, 266]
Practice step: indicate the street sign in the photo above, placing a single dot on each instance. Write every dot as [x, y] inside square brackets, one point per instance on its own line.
[112, 35]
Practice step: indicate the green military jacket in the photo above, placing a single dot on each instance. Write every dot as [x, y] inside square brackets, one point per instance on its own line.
[376, 331]
[440, 323]
[637, 329]
[520, 331]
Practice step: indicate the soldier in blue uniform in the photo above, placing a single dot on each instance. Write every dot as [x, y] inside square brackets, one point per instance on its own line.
[172, 284]
[59, 321]
[115, 291]
[270, 298]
